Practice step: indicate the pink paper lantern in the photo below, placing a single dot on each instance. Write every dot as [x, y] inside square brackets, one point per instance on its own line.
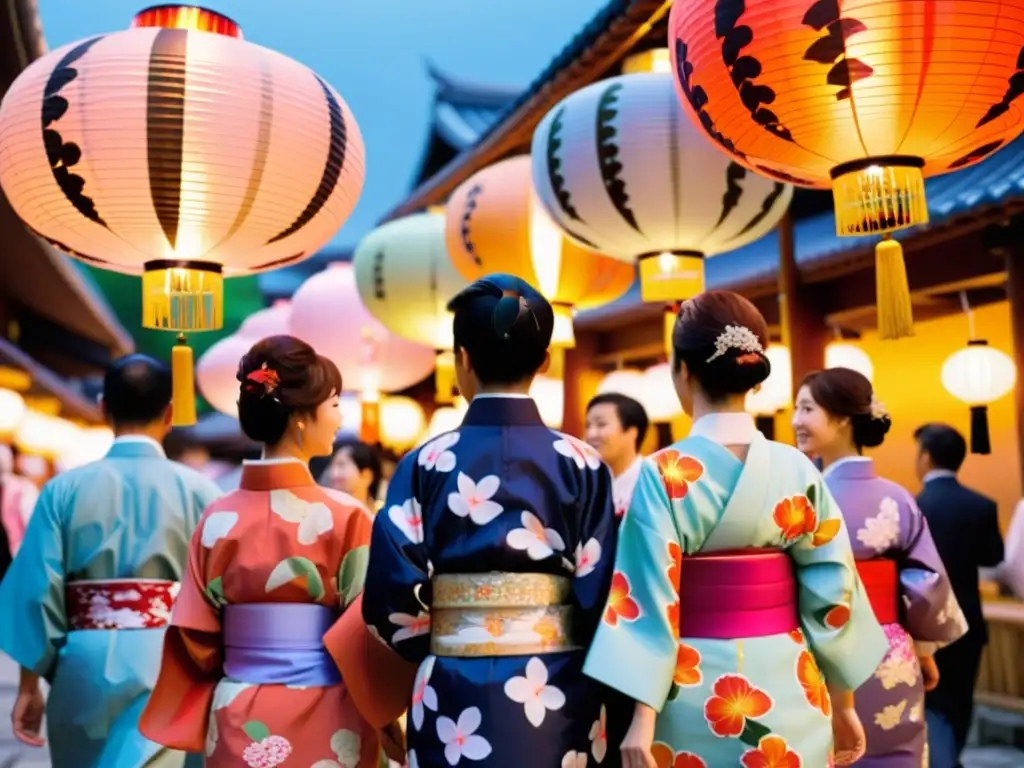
[273, 321]
[215, 373]
[328, 314]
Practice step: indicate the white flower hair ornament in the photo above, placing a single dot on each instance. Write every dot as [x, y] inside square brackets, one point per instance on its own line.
[736, 337]
[877, 409]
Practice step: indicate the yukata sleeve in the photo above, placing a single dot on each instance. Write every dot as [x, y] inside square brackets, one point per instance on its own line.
[595, 551]
[34, 625]
[177, 714]
[637, 641]
[932, 615]
[837, 619]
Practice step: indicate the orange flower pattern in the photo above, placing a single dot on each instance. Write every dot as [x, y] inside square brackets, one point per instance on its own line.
[837, 617]
[813, 683]
[675, 565]
[677, 472]
[733, 702]
[771, 752]
[797, 636]
[795, 516]
[664, 757]
[672, 614]
[620, 604]
[687, 674]
[827, 531]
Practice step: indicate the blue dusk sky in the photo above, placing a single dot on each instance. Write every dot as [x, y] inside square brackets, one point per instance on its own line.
[374, 52]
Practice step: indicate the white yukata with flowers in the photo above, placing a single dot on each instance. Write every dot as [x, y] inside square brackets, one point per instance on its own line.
[502, 494]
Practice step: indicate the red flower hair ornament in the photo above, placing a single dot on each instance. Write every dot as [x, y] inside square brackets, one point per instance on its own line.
[264, 378]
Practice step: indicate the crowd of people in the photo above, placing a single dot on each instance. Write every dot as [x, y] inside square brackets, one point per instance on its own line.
[521, 596]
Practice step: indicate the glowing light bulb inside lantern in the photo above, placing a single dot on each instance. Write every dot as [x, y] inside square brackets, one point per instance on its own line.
[546, 241]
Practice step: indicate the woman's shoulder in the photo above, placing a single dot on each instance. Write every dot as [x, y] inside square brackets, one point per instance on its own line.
[892, 489]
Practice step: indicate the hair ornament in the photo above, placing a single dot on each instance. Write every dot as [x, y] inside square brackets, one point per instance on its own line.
[265, 377]
[736, 337]
[877, 409]
[510, 307]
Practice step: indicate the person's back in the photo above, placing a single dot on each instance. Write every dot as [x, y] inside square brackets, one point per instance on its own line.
[89, 594]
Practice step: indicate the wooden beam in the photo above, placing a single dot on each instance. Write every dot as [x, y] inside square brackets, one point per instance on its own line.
[802, 320]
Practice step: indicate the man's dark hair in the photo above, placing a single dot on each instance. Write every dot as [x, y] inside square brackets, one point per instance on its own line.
[136, 390]
[946, 447]
[630, 412]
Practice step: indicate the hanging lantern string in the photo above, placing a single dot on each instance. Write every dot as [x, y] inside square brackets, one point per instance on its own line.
[966, 305]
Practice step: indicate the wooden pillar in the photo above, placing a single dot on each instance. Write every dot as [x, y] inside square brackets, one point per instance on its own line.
[577, 362]
[1015, 292]
[801, 317]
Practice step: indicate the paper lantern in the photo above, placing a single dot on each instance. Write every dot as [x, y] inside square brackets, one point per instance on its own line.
[447, 418]
[406, 279]
[661, 401]
[625, 381]
[275, 320]
[216, 373]
[621, 170]
[180, 152]
[402, 422]
[45, 435]
[864, 97]
[979, 375]
[12, 410]
[843, 355]
[495, 223]
[549, 394]
[351, 415]
[776, 392]
[91, 445]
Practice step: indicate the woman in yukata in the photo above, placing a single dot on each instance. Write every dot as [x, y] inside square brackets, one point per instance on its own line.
[245, 676]
[736, 620]
[836, 417]
[491, 559]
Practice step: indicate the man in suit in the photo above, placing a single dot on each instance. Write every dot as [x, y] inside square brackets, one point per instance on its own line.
[965, 527]
[86, 600]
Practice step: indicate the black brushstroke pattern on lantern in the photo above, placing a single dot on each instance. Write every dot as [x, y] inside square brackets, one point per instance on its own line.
[608, 154]
[332, 167]
[733, 190]
[378, 276]
[467, 216]
[766, 207]
[788, 178]
[979, 153]
[698, 98]
[165, 127]
[555, 177]
[278, 262]
[1013, 91]
[63, 155]
[831, 49]
[744, 70]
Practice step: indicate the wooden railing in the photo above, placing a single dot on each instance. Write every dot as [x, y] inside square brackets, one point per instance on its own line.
[1001, 677]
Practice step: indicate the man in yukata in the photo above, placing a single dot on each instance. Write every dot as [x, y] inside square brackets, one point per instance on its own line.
[616, 428]
[86, 600]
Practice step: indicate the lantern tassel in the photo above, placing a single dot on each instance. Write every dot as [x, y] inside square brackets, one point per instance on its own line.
[895, 312]
[671, 311]
[444, 378]
[183, 386]
[369, 424]
[980, 442]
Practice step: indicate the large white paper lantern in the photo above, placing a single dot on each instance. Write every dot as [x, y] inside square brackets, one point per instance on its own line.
[549, 394]
[660, 400]
[621, 170]
[402, 422]
[844, 355]
[625, 381]
[12, 410]
[776, 392]
[978, 375]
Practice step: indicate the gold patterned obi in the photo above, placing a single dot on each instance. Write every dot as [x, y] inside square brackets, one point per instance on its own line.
[500, 614]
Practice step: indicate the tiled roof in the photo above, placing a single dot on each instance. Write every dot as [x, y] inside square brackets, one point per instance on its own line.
[464, 111]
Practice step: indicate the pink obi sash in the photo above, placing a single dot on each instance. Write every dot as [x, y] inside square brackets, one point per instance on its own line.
[737, 594]
[881, 582]
[120, 603]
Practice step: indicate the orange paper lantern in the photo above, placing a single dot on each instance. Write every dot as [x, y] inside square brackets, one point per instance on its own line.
[495, 223]
[866, 97]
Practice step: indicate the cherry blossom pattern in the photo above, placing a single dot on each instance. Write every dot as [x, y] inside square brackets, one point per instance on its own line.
[733, 706]
[408, 518]
[582, 454]
[411, 761]
[534, 693]
[292, 568]
[599, 736]
[223, 695]
[677, 472]
[473, 499]
[346, 746]
[882, 531]
[265, 751]
[314, 517]
[537, 541]
[620, 605]
[771, 752]
[460, 738]
[437, 455]
[410, 626]
[423, 695]
[587, 557]
[217, 526]
[574, 760]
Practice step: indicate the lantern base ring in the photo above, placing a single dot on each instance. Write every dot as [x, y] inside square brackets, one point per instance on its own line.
[670, 276]
[182, 296]
[874, 195]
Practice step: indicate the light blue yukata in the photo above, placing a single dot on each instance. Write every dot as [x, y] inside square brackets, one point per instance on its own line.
[125, 518]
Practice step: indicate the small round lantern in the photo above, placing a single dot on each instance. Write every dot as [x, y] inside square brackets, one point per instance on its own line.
[978, 375]
[625, 381]
[447, 418]
[402, 422]
[622, 171]
[549, 393]
[216, 373]
[405, 279]
[776, 393]
[180, 152]
[865, 98]
[843, 355]
[273, 321]
[12, 411]
[661, 401]
[495, 223]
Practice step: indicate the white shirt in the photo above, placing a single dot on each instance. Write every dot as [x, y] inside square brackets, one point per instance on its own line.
[623, 486]
[935, 474]
[726, 428]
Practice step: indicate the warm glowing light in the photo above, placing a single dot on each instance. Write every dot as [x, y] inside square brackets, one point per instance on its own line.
[660, 398]
[655, 60]
[447, 418]
[776, 393]
[44, 435]
[625, 381]
[12, 411]
[402, 422]
[978, 374]
[550, 397]
[843, 355]
[91, 445]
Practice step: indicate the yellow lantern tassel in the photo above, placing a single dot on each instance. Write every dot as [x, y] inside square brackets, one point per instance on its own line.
[369, 425]
[444, 378]
[183, 391]
[671, 311]
[895, 312]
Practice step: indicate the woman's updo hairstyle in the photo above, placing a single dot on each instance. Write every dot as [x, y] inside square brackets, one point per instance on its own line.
[845, 392]
[722, 337]
[505, 326]
[281, 376]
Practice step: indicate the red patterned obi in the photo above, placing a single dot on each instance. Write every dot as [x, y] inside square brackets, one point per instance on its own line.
[881, 582]
[737, 594]
[120, 603]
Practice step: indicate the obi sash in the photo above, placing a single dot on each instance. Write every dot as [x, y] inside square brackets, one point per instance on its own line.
[279, 644]
[737, 594]
[881, 582]
[500, 614]
[119, 603]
